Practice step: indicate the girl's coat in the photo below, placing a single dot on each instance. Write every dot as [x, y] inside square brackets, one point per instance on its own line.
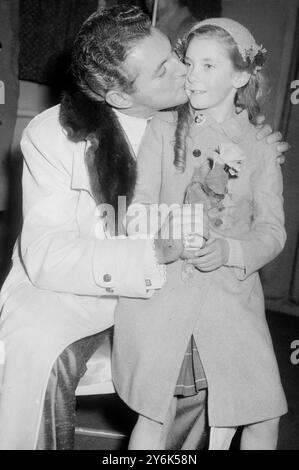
[224, 309]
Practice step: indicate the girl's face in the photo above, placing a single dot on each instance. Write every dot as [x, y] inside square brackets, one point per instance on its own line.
[211, 82]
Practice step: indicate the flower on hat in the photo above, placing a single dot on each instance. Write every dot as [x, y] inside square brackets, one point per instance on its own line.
[255, 52]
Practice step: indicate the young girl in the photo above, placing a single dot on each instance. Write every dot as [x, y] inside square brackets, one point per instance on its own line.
[213, 302]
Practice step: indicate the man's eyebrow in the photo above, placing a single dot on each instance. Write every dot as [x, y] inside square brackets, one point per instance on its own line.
[160, 66]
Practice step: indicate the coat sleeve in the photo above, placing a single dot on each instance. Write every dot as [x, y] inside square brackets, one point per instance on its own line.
[266, 239]
[55, 255]
[149, 165]
[143, 213]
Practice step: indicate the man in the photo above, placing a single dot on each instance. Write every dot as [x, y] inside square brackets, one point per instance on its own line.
[67, 272]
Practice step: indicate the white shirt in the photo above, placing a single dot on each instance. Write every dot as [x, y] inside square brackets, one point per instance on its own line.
[134, 128]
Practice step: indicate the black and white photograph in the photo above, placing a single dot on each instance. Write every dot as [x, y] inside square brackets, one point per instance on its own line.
[149, 227]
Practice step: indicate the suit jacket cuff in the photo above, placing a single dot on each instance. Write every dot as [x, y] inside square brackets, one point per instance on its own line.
[155, 273]
[236, 257]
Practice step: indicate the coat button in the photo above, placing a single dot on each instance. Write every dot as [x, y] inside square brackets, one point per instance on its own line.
[218, 222]
[196, 153]
[148, 282]
[107, 278]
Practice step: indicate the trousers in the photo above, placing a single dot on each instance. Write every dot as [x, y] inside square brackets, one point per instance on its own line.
[57, 429]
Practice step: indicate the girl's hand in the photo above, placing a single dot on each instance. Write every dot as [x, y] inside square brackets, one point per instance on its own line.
[214, 255]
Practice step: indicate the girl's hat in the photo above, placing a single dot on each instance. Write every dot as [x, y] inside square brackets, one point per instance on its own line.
[246, 43]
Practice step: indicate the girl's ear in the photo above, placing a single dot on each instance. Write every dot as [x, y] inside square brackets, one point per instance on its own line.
[241, 78]
[118, 99]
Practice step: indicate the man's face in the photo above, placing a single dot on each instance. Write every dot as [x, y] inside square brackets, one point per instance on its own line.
[160, 76]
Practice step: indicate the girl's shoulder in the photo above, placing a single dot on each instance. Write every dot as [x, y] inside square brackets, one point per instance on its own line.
[258, 151]
[165, 118]
[162, 126]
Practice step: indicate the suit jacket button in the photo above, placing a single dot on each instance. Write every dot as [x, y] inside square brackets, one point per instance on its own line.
[109, 289]
[107, 278]
[196, 153]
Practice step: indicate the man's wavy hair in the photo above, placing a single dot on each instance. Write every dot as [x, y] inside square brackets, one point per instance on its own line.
[97, 66]
[249, 97]
[101, 47]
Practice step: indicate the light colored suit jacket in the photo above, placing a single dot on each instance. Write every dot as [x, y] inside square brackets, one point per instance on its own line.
[65, 278]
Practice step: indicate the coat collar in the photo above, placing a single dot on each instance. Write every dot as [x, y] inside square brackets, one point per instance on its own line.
[105, 167]
[234, 128]
[80, 175]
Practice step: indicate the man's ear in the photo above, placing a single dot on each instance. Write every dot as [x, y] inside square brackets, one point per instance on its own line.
[118, 99]
[241, 78]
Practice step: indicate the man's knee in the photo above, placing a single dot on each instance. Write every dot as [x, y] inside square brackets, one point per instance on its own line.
[29, 344]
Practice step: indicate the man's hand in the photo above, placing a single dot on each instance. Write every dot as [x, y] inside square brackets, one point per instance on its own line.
[168, 247]
[265, 131]
[214, 255]
[168, 251]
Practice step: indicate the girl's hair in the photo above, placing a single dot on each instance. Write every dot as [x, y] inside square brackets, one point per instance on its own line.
[248, 97]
